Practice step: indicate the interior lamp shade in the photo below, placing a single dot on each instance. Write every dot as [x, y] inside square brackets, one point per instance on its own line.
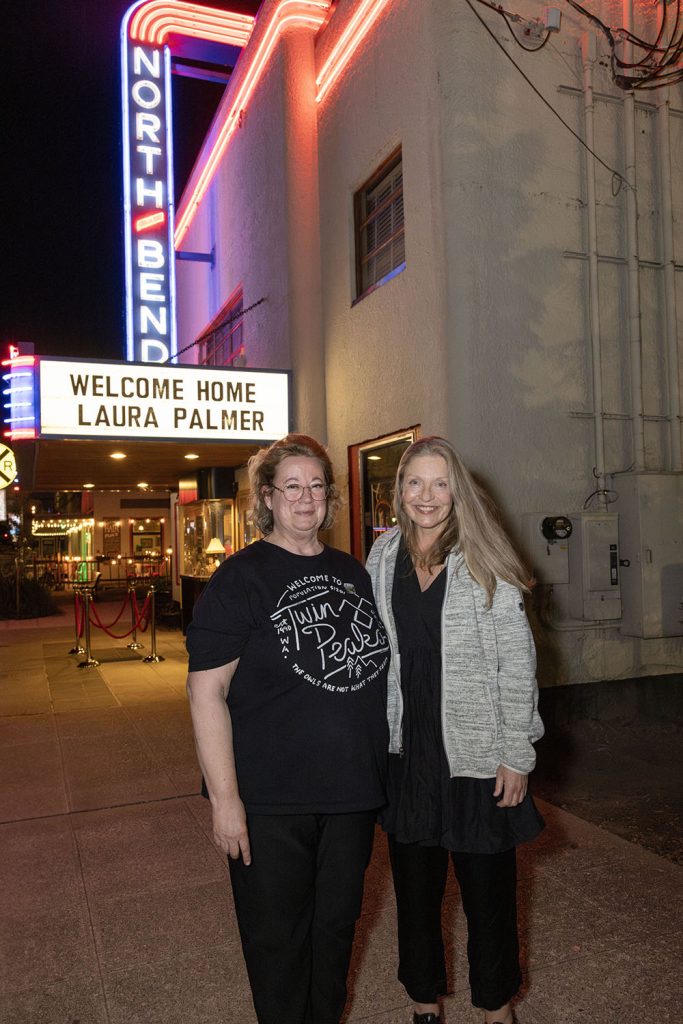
[215, 547]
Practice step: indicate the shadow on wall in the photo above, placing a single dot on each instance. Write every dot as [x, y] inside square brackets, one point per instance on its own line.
[519, 358]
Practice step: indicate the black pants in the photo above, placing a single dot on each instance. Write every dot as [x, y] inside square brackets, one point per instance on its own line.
[488, 888]
[297, 904]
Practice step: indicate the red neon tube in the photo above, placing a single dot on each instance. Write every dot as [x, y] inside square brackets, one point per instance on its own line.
[153, 22]
[290, 13]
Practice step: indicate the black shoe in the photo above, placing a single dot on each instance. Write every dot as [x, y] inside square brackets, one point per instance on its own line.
[426, 1018]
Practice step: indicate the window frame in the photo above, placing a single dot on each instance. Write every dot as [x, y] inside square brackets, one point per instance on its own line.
[360, 501]
[207, 341]
[361, 221]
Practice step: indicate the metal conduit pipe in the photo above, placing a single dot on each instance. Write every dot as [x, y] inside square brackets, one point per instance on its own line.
[589, 54]
[633, 270]
[669, 269]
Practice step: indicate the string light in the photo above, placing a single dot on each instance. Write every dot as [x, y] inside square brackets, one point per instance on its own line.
[56, 527]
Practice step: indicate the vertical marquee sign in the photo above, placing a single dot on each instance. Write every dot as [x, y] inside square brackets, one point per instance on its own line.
[19, 392]
[148, 160]
[148, 201]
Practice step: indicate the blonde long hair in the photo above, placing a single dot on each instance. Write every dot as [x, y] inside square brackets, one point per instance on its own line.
[473, 525]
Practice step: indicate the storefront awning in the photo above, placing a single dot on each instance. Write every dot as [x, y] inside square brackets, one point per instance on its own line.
[56, 465]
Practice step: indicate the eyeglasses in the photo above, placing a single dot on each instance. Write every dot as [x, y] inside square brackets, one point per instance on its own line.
[294, 492]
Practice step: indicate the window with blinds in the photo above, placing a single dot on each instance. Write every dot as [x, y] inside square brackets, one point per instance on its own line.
[380, 241]
[223, 343]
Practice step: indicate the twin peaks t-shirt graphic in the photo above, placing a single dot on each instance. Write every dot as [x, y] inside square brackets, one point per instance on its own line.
[329, 635]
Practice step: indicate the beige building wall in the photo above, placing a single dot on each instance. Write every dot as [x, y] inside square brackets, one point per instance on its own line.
[486, 335]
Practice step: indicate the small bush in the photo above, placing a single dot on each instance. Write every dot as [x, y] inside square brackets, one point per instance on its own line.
[35, 601]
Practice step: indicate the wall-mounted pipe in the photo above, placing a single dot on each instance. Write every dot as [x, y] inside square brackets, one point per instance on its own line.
[633, 270]
[589, 55]
[669, 271]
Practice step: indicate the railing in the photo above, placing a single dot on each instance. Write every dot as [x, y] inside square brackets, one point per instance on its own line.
[60, 574]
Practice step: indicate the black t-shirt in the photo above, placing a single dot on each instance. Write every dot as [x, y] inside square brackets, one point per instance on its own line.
[308, 698]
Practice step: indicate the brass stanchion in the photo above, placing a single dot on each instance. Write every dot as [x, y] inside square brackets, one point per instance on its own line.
[134, 645]
[89, 662]
[76, 649]
[152, 605]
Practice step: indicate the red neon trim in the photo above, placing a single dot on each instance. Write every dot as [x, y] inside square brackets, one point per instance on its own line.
[347, 44]
[146, 221]
[20, 361]
[300, 13]
[153, 22]
[21, 434]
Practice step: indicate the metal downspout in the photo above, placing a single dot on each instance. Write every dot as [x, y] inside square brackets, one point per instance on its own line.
[669, 268]
[589, 53]
[632, 257]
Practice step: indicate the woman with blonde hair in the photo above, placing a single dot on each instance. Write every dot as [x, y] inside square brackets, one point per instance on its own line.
[462, 709]
[288, 661]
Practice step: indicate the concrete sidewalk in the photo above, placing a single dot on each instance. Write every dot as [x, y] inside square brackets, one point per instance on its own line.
[116, 905]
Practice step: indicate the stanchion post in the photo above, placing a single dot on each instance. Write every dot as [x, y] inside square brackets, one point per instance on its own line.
[76, 649]
[134, 645]
[89, 662]
[153, 656]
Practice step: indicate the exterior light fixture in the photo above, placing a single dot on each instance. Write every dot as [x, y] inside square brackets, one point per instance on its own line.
[118, 455]
[143, 486]
[88, 487]
[190, 455]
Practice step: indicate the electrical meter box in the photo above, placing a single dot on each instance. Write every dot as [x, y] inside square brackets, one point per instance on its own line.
[546, 539]
[651, 542]
[594, 584]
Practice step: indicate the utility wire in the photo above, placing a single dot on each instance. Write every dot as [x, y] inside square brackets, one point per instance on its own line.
[529, 49]
[228, 320]
[509, 17]
[615, 174]
[656, 58]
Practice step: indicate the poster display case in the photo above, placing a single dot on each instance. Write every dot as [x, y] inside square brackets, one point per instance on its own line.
[372, 471]
[206, 535]
[202, 524]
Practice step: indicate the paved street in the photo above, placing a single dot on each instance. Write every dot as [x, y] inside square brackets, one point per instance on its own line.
[116, 906]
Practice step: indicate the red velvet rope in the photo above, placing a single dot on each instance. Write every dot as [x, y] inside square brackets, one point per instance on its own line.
[123, 608]
[140, 617]
[144, 615]
[96, 621]
[79, 620]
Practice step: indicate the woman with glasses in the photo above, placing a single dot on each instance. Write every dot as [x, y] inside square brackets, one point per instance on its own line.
[287, 688]
[462, 704]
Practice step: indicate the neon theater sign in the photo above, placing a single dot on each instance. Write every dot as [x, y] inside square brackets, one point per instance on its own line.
[148, 162]
[147, 137]
[19, 393]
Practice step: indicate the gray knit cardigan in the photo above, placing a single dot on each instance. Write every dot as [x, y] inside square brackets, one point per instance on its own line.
[489, 696]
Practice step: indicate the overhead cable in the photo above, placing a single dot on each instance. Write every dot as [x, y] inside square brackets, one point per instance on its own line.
[616, 175]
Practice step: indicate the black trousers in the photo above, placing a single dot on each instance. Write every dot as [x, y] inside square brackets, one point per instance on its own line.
[488, 888]
[297, 904]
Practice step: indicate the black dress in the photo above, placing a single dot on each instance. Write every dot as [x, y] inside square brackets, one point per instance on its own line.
[425, 805]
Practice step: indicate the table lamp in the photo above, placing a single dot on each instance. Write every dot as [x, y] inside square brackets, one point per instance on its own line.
[214, 548]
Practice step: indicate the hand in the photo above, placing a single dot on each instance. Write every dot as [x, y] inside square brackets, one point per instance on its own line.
[511, 786]
[230, 833]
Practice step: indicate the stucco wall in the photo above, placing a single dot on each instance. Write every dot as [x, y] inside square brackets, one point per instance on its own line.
[385, 355]
[484, 336]
[261, 214]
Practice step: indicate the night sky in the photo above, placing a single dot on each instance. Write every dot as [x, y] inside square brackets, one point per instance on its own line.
[61, 269]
